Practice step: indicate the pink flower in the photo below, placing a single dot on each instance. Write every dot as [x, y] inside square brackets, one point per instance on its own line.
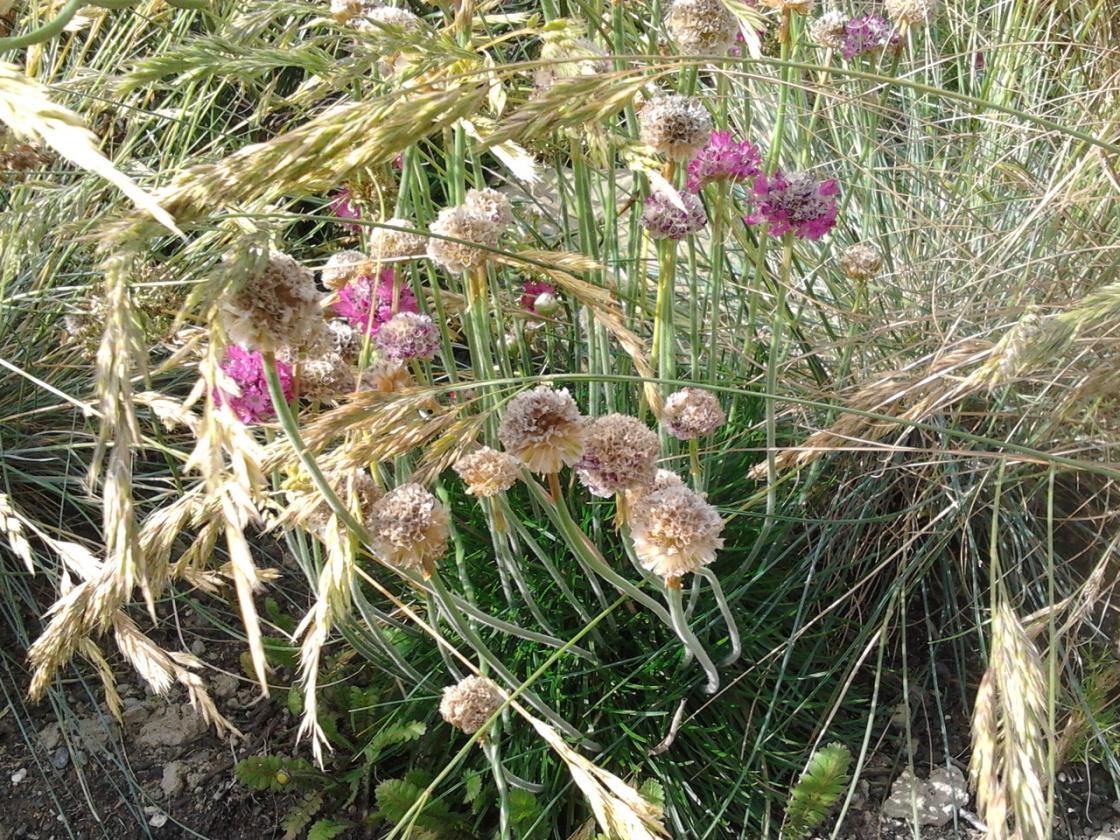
[344, 209]
[367, 303]
[247, 370]
[531, 291]
[867, 33]
[665, 220]
[723, 159]
[795, 202]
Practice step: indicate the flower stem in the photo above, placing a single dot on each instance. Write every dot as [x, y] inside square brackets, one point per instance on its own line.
[728, 618]
[688, 638]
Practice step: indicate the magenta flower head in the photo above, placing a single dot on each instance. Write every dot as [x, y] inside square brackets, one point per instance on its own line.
[532, 289]
[368, 303]
[246, 369]
[345, 209]
[665, 220]
[866, 34]
[723, 160]
[795, 203]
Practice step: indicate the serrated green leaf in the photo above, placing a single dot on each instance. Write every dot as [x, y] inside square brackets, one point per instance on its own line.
[394, 734]
[653, 791]
[524, 809]
[295, 701]
[326, 829]
[394, 798]
[818, 789]
[297, 819]
[472, 787]
[270, 772]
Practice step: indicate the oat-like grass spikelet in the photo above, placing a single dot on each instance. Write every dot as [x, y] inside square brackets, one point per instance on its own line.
[119, 357]
[95, 657]
[28, 111]
[317, 156]
[619, 809]
[911, 395]
[162, 669]
[377, 426]
[985, 770]
[1009, 724]
[332, 602]
[228, 459]
[11, 523]
[445, 450]
[87, 607]
[574, 103]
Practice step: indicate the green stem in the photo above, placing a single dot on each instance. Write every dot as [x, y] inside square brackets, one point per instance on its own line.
[728, 617]
[48, 30]
[558, 512]
[490, 748]
[484, 653]
[689, 640]
[773, 362]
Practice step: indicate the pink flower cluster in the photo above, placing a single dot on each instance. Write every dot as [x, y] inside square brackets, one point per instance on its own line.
[247, 370]
[367, 303]
[796, 203]
[867, 33]
[344, 209]
[533, 290]
[723, 160]
[663, 219]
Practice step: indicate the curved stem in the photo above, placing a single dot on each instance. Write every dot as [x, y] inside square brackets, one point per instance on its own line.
[728, 618]
[558, 512]
[53, 27]
[549, 566]
[291, 429]
[371, 621]
[490, 748]
[523, 784]
[688, 638]
[487, 655]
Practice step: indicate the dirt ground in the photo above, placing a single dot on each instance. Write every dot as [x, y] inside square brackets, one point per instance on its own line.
[162, 774]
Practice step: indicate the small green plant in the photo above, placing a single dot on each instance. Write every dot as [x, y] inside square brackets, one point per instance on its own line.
[818, 789]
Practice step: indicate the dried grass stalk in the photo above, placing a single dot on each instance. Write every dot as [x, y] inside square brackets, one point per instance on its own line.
[1009, 767]
[28, 111]
[11, 523]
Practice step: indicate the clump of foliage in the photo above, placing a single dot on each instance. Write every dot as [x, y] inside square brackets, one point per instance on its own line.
[668, 374]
